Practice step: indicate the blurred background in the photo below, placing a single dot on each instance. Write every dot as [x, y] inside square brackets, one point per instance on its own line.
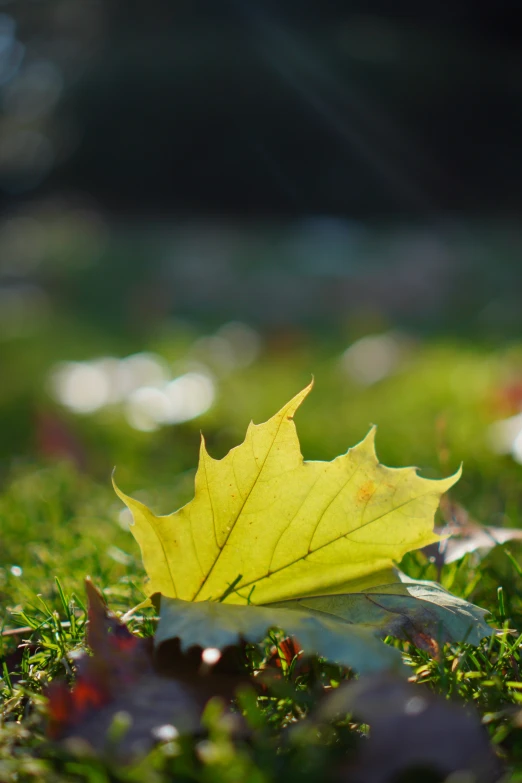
[204, 203]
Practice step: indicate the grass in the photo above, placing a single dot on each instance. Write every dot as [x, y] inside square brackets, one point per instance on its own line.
[60, 524]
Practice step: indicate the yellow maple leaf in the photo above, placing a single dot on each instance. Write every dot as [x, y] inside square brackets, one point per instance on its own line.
[266, 526]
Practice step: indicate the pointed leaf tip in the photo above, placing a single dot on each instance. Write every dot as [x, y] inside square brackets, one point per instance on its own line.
[368, 442]
[291, 407]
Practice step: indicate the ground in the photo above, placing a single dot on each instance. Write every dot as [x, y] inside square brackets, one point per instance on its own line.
[61, 522]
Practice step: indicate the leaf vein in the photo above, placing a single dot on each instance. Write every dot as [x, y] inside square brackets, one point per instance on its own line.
[329, 543]
[329, 504]
[240, 511]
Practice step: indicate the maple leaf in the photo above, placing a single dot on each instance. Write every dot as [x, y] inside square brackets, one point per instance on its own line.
[122, 680]
[461, 535]
[266, 526]
[309, 546]
[211, 624]
[339, 627]
[395, 605]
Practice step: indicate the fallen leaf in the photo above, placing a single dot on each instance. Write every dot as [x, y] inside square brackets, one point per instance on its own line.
[463, 535]
[338, 627]
[209, 624]
[473, 538]
[312, 542]
[287, 650]
[411, 729]
[118, 660]
[419, 611]
[119, 683]
[266, 526]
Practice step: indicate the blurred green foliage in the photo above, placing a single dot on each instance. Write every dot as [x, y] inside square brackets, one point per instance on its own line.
[60, 518]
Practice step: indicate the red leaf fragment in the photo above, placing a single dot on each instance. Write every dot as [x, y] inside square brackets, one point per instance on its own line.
[287, 649]
[159, 697]
[119, 659]
[424, 641]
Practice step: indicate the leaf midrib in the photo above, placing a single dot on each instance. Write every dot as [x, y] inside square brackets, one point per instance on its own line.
[240, 511]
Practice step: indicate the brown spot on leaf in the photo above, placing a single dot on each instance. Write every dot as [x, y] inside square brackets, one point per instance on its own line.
[365, 492]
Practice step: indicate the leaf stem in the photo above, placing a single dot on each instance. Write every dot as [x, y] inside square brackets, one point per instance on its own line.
[230, 588]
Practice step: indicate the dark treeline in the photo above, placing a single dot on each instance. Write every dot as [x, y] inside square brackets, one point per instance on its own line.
[282, 108]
